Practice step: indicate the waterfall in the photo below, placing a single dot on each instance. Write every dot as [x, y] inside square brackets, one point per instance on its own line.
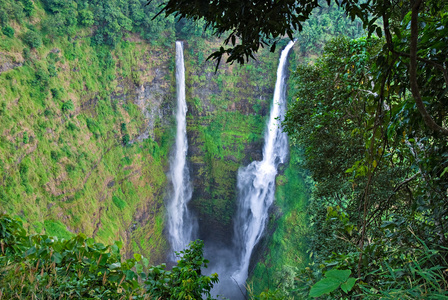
[256, 182]
[181, 225]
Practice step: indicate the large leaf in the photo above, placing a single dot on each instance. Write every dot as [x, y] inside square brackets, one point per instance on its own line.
[348, 285]
[57, 258]
[325, 286]
[339, 275]
[333, 279]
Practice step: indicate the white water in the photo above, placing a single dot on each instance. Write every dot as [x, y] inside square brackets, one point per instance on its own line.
[181, 225]
[256, 182]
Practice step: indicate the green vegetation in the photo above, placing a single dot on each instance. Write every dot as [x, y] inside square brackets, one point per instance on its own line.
[57, 228]
[326, 22]
[84, 82]
[8, 31]
[61, 139]
[47, 267]
[372, 159]
[86, 98]
[226, 126]
[32, 39]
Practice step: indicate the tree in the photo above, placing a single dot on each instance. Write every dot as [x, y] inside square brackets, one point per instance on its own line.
[379, 196]
[254, 23]
[249, 25]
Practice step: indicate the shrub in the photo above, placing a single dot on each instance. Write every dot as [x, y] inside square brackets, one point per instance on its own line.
[41, 79]
[28, 7]
[26, 53]
[17, 11]
[32, 39]
[69, 168]
[52, 268]
[52, 70]
[68, 105]
[85, 18]
[55, 155]
[48, 113]
[125, 140]
[56, 93]
[26, 138]
[23, 170]
[8, 31]
[72, 127]
[3, 17]
[2, 108]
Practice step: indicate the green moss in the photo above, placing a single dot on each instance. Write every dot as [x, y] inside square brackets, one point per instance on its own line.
[57, 228]
[118, 202]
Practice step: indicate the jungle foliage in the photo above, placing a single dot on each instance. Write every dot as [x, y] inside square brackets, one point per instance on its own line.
[378, 209]
[47, 267]
[370, 118]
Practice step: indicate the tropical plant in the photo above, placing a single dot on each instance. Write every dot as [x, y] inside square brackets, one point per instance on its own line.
[45, 267]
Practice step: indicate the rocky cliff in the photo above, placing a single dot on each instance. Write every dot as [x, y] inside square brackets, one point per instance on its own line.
[86, 133]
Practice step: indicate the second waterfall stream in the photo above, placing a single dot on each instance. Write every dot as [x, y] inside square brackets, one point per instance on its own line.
[256, 189]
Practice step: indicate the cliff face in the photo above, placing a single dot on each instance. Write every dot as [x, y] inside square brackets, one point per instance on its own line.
[226, 122]
[86, 132]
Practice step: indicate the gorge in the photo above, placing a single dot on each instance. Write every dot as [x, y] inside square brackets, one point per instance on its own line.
[93, 132]
[122, 140]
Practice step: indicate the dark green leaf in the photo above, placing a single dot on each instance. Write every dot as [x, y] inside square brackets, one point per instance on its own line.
[325, 286]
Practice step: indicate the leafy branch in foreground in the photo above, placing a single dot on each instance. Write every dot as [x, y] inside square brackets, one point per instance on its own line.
[44, 267]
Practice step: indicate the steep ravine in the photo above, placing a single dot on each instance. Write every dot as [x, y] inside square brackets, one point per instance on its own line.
[86, 135]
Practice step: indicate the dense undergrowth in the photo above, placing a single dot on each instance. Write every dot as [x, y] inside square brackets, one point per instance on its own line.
[47, 267]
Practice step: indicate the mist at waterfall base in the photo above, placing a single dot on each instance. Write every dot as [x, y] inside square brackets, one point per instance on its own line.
[256, 189]
[181, 224]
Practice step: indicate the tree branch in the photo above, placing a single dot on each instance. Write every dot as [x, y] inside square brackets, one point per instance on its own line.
[413, 72]
[395, 190]
[390, 45]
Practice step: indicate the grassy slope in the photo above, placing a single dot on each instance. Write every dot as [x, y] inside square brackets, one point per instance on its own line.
[64, 166]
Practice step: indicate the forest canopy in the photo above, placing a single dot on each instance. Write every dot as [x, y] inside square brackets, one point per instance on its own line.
[249, 25]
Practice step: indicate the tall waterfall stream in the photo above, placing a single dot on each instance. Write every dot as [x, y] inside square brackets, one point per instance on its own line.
[181, 224]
